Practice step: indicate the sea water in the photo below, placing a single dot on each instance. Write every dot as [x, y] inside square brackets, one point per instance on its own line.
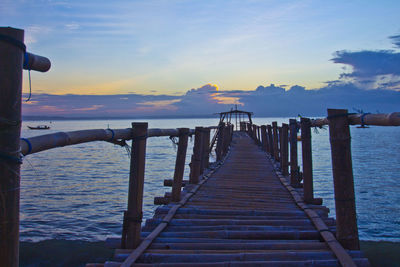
[79, 192]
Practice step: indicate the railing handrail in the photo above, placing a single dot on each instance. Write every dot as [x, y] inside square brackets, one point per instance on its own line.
[48, 141]
[379, 119]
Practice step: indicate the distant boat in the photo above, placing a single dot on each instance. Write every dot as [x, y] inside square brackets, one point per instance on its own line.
[39, 127]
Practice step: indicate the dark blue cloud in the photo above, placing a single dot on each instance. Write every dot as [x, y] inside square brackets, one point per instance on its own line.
[372, 69]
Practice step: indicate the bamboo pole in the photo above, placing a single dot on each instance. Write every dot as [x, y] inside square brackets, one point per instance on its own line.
[270, 140]
[275, 140]
[48, 141]
[294, 175]
[133, 217]
[264, 139]
[196, 157]
[389, 119]
[346, 217]
[180, 164]
[284, 149]
[11, 58]
[307, 160]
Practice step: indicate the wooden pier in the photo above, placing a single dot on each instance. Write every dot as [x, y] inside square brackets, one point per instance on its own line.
[243, 213]
[253, 207]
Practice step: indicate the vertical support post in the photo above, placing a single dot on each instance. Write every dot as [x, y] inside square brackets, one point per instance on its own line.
[179, 164]
[220, 141]
[346, 217]
[133, 217]
[294, 169]
[284, 149]
[205, 152]
[11, 61]
[270, 140]
[275, 140]
[264, 139]
[227, 139]
[307, 160]
[196, 158]
[255, 133]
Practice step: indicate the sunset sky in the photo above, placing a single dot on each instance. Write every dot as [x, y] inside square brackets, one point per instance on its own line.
[169, 47]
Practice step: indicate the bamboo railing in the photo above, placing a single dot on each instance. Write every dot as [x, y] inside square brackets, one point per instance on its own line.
[338, 120]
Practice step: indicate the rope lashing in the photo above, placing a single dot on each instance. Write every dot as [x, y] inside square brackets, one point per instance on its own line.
[5, 123]
[29, 145]
[130, 218]
[11, 158]
[25, 65]
[112, 134]
[341, 115]
[362, 119]
[13, 41]
[138, 138]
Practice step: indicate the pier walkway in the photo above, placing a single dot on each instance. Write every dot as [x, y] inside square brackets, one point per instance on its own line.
[243, 213]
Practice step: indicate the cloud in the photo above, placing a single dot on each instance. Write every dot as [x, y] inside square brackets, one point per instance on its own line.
[266, 101]
[372, 69]
[395, 40]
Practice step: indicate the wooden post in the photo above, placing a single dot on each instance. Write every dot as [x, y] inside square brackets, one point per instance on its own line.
[270, 140]
[133, 217]
[294, 169]
[307, 160]
[264, 139]
[220, 141]
[11, 59]
[284, 149]
[255, 133]
[346, 218]
[227, 138]
[205, 151]
[196, 158]
[180, 164]
[275, 140]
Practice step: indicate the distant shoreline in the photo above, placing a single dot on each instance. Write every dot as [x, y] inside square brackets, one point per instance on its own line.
[212, 116]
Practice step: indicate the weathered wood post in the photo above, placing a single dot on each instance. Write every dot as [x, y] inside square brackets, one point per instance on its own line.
[11, 59]
[294, 168]
[208, 139]
[227, 138]
[275, 140]
[256, 133]
[180, 164]
[205, 150]
[307, 160]
[284, 149]
[220, 141]
[346, 217]
[133, 216]
[270, 140]
[196, 157]
[264, 139]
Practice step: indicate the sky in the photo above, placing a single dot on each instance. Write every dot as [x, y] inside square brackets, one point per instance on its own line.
[112, 58]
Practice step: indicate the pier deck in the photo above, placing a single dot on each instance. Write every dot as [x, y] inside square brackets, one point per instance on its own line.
[242, 214]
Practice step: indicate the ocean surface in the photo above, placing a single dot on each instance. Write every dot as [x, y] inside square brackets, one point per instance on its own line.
[80, 192]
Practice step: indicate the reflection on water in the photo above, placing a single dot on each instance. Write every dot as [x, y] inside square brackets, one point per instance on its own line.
[80, 191]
